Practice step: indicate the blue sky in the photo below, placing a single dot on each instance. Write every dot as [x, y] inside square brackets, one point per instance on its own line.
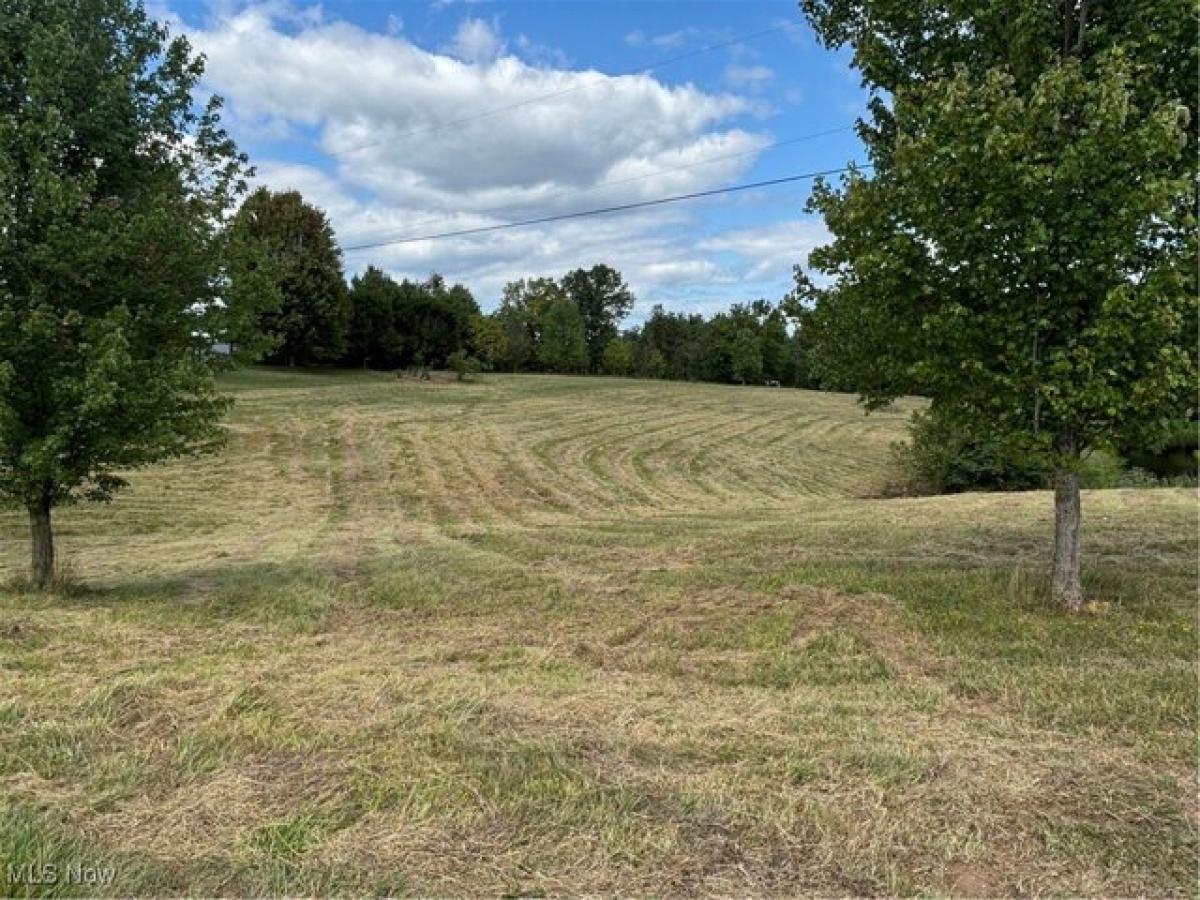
[356, 103]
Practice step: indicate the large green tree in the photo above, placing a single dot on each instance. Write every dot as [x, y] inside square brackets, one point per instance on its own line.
[113, 188]
[434, 320]
[309, 323]
[372, 339]
[1024, 250]
[488, 340]
[618, 357]
[745, 357]
[562, 341]
[524, 309]
[603, 300]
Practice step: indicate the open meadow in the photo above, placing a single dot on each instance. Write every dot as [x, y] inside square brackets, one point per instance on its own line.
[541, 634]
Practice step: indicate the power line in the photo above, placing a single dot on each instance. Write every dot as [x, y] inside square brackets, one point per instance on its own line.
[440, 126]
[641, 204]
[668, 171]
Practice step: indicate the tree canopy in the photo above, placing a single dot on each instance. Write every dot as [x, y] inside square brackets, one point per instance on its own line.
[372, 338]
[1024, 251]
[310, 320]
[113, 256]
[603, 300]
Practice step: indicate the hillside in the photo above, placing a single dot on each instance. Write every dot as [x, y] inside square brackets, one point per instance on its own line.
[571, 635]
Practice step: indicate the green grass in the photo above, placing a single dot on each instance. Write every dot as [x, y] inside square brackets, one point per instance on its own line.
[561, 635]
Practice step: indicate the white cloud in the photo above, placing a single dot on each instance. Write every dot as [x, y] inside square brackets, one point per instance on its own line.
[754, 77]
[476, 41]
[414, 144]
[669, 40]
[769, 250]
[540, 54]
[796, 33]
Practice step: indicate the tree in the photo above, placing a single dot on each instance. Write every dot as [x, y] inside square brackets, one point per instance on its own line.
[562, 344]
[527, 308]
[489, 340]
[653, 364]
[112, 253]
[372, 339]
[1024, 252]
[618, 357]
[773, 338]
[247, 290]
[746, 358]
[603, 300]
[310, 322]
[687, 346]
[732, 333]
[433, 320]
[519, 324]
[463, 364]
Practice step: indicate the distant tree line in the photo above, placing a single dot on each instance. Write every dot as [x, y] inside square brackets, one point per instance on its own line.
[570, 325]
[750, 343]
[291, 305]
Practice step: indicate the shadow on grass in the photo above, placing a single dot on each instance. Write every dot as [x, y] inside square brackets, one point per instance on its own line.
[416, 582]
[293, 595]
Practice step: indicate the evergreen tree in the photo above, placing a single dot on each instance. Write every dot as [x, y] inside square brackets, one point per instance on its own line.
[433, 320]
[372, 339]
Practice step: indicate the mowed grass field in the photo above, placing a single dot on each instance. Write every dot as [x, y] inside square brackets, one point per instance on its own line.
[555, 635]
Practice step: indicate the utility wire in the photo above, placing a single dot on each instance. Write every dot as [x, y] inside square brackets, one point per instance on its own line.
[668, 171]
[641, 204]
[440, 126]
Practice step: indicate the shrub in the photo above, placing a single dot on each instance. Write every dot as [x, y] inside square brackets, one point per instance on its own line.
[1104, 468]
[463, 364]
[941, 458]
[1176, 456]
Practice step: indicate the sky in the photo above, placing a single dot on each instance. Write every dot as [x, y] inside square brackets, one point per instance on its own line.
[403, 119]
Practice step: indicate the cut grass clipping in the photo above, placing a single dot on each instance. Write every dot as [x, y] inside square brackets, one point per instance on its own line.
[555, 635]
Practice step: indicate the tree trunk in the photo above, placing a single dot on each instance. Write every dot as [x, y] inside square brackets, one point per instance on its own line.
[1068, 521]
[42, 536]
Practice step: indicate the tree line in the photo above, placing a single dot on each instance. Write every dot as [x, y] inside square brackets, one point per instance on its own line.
[299, 310]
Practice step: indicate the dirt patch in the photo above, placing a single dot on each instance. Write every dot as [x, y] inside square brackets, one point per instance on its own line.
[974, 880]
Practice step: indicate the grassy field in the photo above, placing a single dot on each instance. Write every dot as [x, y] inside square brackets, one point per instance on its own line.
[544, 634]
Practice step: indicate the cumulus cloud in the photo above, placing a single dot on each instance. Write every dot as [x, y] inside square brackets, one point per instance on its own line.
[770, 249]
[540, 54]
[415, 141]
[476, 41]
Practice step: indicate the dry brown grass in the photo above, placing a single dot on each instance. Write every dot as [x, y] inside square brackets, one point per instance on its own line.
[584, 636]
